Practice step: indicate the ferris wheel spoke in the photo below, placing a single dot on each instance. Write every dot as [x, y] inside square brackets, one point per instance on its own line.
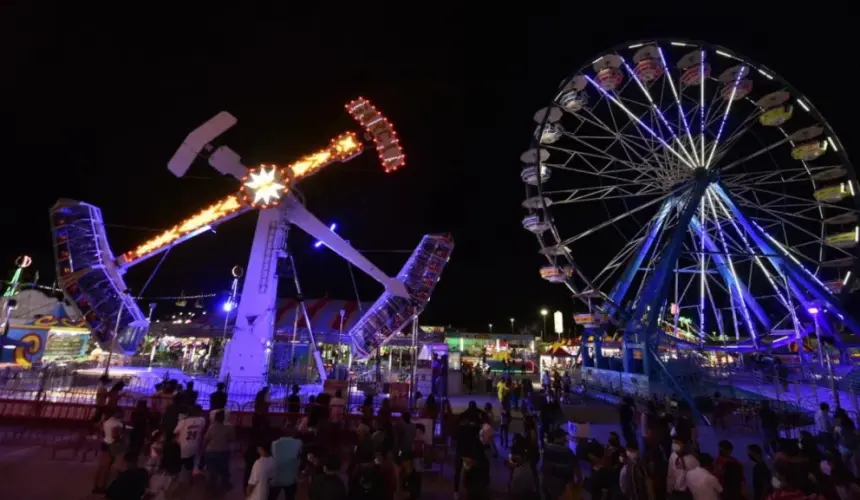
[639, 122]
[728, 107]
[627, 143]
[615, 219]
[799, 201]
[755, 154]
[630, 144]
[681, 115]
[582, 195]
[797, 227]
[596, 152]
[658, 112]
[605, 173]
[756, 256]
[776, 177]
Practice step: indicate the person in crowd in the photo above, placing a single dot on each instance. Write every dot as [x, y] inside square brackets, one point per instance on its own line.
[626, 416]
[729, 471]
[409, 479]
[675, 471]
[701, 484]
[286, 451]
[112, 446]
[846, 437]
[262, 474]
[524, 483]
[329, 485]
[166, 470]
[337, 407]
[430, 409]
[261, 409]
[824, 426]
[559, 467]
[189, 435]
[101, 399]
[604, 475]
[189, 395]
[505, 424]
[405, 436]
[170, 418]
[131, 483]
[770, 427]
[474, 479]
[614, 449]
[761, 476]
[545, 381]
[788, 484]
[836, 478]
[294, 403]
[218, 399]
[466, 439]
[634, 479]
[217, 444]
[113, 397]
[368, 481]
[418, 402]
[140, 423]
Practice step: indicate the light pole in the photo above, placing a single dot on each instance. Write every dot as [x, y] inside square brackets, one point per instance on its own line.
[491, 328]
[512, 325]
[544, 313]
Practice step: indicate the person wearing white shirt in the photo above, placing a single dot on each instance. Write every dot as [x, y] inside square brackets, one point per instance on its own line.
[675, 475]
[262, 473]
[189, 435]
[110, 447]
[702, 484]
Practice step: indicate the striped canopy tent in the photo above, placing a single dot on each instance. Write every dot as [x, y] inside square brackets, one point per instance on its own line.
[324, 315]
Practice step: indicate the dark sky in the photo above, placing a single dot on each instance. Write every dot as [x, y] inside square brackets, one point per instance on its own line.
[94, 104]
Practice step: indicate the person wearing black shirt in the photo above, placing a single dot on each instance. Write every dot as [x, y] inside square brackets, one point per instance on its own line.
[761, 483]
[189, 395]
[131, 483]
[475, 475]
[466, 436]
[410, 479]
[328, 486]
[769, 426]
[604, 477]
[293, 402]
[626, 418]
[218, 399]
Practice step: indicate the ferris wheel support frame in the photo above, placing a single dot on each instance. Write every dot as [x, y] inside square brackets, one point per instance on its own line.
[723, 268]
[792, 270]
[657, 286]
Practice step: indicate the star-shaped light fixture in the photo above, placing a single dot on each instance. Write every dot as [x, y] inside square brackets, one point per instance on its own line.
[264, 186]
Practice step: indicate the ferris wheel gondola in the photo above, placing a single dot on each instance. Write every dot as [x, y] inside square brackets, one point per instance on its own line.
[677, 179]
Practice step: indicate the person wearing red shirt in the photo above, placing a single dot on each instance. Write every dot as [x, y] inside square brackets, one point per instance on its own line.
[730, 472]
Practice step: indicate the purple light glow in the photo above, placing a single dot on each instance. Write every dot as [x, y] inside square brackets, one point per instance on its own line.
[812, 310]
[227, 306]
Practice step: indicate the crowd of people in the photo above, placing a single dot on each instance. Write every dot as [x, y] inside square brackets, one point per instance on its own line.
[168, 443]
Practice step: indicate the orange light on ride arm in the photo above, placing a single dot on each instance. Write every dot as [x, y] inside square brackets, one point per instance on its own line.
[341, 148]
[209, 216]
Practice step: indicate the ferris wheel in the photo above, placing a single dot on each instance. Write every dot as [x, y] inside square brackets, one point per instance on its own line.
[678, 186]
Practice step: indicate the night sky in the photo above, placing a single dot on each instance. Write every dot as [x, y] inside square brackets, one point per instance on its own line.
[95, 103]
